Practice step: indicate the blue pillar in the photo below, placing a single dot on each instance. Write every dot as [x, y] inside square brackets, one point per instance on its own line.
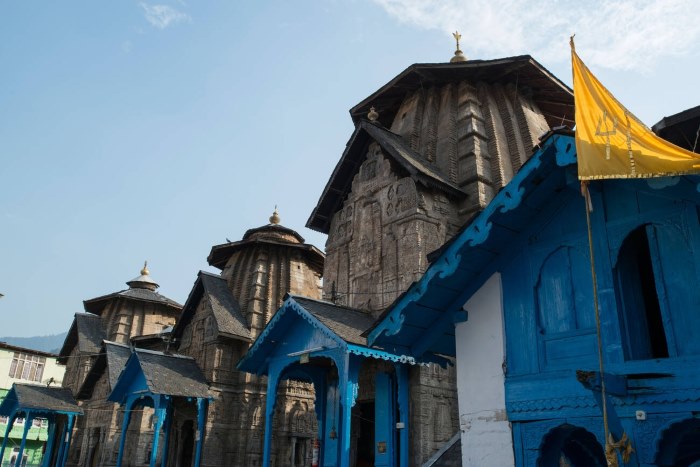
[27, 423]
[348, 393]
[8, 429]
[384, 410]
[270, 400]
[319, 382]
[61, 444]
[402, 399]
[46, 460]
[160, 418]
[331, 422]
[199, 436]
[66, 441]
[166, 430]
[125, 426]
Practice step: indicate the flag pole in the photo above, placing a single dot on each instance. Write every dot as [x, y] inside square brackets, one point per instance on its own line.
[610, 455]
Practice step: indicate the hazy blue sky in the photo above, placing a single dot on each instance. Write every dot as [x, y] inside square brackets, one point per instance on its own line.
[153, 130]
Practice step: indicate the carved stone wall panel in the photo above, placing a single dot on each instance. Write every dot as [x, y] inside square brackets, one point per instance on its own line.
[478, 134]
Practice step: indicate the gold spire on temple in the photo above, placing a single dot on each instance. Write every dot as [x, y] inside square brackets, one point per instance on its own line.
[275, 217]
[145, 271]
[459, 55]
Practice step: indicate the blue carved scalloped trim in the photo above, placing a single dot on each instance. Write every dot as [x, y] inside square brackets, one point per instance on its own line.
[476, 233]
[380, 354]
[539, 405]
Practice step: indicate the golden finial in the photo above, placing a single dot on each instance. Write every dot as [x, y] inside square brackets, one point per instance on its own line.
[372, 115]
[459, 55]
[144, 271]
[275, 217]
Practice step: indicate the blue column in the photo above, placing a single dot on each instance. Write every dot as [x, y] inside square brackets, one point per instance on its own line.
[331, 422]
[166, 430]
[402, 399]
[125, 426]
[50, 440]
[27, 424]
[348, 393]
[270, 400]
[8, 429]
[384, 410]
[66, 442]
[199, 436]
[61, 444]
[160, 418]
[319, 382]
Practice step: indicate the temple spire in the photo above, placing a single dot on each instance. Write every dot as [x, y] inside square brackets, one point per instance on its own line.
[459, 55]
[143, 281]
[275, 217]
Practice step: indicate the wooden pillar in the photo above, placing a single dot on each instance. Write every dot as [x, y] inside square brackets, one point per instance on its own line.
[125, 426]
[50, 441]
[270, 400]
[320, 394]
[61, 445]
[27, 424]
[199, 436]
[166, 430]
[160, 415]
[8, 429]
[348, 391]
[384, 426]
[402, 399]
[66, 441]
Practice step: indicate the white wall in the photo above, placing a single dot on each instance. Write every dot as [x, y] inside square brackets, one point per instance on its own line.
[486, 433]
[51, 369]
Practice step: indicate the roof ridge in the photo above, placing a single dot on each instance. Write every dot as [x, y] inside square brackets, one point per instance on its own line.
[155, 352]
[105, 341]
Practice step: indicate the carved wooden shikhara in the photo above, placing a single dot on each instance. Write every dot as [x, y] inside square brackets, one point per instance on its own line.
[474, 135]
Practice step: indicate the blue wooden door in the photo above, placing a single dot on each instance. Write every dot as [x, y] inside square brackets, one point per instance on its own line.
[384, 411]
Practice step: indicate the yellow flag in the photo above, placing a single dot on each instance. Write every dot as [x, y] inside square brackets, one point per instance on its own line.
[613, 143]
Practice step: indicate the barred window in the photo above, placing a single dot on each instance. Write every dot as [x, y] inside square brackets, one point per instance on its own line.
[27, 366]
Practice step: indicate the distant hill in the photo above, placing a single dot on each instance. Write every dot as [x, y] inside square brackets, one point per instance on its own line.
[50, 343]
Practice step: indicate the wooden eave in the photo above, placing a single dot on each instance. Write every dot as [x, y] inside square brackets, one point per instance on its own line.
[554, 98]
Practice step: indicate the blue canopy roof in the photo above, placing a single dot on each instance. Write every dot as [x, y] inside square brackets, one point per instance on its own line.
[157, 373]
[40, 400]
[422, 319]
[304, 325]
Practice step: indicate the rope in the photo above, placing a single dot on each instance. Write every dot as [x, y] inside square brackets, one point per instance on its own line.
[589, 208]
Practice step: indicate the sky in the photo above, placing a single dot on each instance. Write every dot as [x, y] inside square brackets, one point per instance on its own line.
[134, 131]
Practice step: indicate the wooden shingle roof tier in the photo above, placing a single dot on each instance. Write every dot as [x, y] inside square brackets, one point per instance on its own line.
[347, 323]
[112, 358]
[407, 159]
[271, 234]
[224, 307]
[40, 399]
[96, 305]
[175, 375]
[154, 373]
[551, 95]
[86, 332]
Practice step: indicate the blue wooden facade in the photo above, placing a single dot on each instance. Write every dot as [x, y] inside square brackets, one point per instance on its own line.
[646, 238]
[317, 342]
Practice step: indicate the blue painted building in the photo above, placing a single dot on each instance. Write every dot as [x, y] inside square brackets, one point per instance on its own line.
[323, 344]
[514, 287]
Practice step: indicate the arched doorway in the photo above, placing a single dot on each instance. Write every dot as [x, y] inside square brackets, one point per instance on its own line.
[571, 446]
[680, 444]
